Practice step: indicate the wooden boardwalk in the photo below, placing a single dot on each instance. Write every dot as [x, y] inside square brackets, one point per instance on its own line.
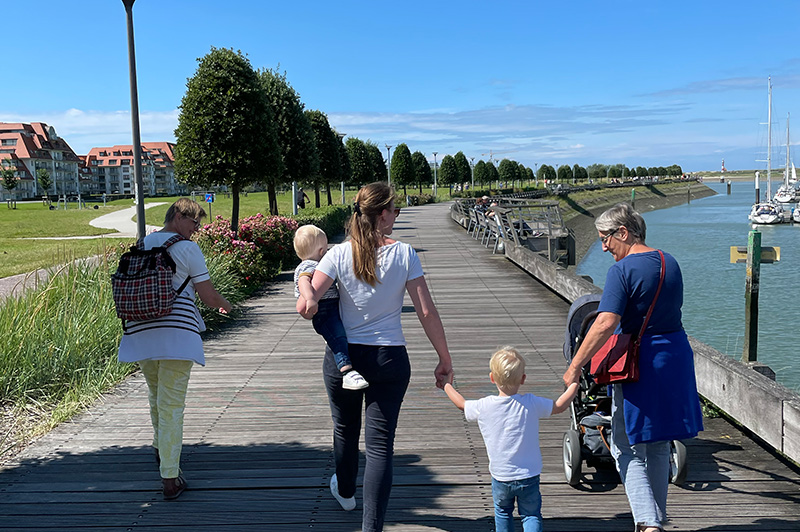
[257, 449]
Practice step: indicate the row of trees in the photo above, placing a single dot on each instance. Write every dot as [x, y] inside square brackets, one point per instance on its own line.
[239, 127]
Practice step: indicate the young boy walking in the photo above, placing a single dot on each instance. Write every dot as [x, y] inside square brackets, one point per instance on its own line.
[310, 244]
[509, 424]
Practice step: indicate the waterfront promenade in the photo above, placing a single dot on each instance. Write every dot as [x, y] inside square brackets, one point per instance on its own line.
[257, 452]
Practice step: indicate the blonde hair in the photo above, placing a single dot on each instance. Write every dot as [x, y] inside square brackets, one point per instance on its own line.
[185, 206]
[308, 239]
[507, 367]
[370, 202]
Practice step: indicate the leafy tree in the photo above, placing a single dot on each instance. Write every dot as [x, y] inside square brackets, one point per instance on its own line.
[448, 171]
[377, 163]
[633, 172]
[403, 167]
[481, 175]
[360, 163]
[327, 146]
[565, 174]
[641, 171]
[226, 133]
[528, 174]
[422, 169]
[491, 173]
[463, 168]
[614, 172]
[597, 171]
[653, 171]
[507, 171]
[295, 135]
[9, 179]
[45, 182]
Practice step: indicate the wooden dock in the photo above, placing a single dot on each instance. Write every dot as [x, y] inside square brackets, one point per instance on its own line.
[257, 451]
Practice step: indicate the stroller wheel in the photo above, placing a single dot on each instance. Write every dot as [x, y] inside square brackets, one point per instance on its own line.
[677, 462]
[572, 457]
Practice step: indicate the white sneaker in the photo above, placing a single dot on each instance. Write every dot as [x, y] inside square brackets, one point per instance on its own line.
[346, 504]
[353, 380]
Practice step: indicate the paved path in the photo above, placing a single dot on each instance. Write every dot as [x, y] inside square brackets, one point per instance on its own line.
[121, 221]
[258, 431]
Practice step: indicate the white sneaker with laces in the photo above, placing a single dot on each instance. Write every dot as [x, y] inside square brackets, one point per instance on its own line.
[346, 504]
[353, 380]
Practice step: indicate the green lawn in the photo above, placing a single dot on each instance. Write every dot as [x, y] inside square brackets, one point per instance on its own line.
[18, 254]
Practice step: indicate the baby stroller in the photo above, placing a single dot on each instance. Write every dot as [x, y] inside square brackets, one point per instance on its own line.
[588, 438]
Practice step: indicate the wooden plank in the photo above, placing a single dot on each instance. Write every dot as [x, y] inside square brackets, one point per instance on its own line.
[257, 450]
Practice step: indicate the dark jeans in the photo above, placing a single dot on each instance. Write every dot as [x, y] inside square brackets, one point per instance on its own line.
[388, 371]
[328, 324]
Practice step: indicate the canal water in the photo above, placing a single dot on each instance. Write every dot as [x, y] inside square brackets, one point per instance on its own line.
[699, 235]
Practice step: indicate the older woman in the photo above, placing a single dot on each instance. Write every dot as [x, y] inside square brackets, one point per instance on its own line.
[373, 273]
[166, 348]
[664, 404]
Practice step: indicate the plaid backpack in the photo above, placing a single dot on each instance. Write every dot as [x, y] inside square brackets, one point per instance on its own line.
[142, 285]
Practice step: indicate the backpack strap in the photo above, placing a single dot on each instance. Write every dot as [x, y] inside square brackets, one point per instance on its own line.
[172, 240]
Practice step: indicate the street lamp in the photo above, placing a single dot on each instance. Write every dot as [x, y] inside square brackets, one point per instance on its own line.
[434, 174]
[341, 136]
[137, 143]
[388, 164]
[472, 172]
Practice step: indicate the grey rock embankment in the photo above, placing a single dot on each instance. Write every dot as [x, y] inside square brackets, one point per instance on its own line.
[580, 211]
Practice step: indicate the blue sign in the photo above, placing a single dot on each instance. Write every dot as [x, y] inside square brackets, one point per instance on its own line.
[209, 198]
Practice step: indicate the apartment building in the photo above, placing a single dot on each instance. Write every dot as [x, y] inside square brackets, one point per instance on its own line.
[111, 169]
[29, 147]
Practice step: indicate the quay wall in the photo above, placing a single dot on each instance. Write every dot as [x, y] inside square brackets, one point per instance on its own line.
[768, 409]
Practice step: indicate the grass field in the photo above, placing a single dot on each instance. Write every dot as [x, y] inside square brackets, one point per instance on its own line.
[19, 254]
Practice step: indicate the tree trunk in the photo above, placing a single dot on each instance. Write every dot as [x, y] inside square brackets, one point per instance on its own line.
[420, 188]
[235, 209]
[330, 197]
[273, 199]
[316, 194]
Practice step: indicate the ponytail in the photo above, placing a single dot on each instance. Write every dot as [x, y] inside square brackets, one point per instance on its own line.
[365, 236]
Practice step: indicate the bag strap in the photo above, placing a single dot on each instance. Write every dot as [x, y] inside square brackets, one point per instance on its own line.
[172, 240]
[653, 304]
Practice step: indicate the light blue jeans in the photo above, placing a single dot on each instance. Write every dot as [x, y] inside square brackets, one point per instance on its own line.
[643, 467]
[529, 502]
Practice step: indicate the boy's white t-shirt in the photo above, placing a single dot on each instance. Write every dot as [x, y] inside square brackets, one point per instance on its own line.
[510, 430]
[371, 314]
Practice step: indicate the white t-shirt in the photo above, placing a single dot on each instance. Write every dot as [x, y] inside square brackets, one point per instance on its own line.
[371, 314]
[510, 430]
[175, 336]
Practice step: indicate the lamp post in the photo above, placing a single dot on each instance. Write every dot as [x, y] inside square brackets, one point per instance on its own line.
[472, 172]
[137, 143]
[388, 164]
[434, 174]
[341, 136]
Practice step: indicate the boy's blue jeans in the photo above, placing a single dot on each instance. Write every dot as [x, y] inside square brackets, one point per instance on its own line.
[328, 324]
[529, 502]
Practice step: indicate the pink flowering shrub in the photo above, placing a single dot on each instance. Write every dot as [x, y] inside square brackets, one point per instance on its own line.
[263, 245]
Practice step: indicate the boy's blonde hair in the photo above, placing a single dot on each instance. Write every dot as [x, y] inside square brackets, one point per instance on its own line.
[308, 239]
[507, 367]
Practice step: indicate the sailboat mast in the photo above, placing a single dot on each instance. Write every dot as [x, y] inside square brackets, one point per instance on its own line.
[769, 142]
[786, 170]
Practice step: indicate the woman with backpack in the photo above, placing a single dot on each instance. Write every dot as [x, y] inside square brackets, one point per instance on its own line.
[166, 348]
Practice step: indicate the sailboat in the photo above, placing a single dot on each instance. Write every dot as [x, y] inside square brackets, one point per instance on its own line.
[767, 212]
[787, 192]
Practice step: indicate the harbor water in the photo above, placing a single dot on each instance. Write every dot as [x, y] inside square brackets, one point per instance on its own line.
[699, 235]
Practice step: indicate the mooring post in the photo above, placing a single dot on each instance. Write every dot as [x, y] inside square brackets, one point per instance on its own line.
[633, 198]
[729, 187]
[752, 282]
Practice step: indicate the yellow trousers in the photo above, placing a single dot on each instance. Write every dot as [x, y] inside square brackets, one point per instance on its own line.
[167, 381]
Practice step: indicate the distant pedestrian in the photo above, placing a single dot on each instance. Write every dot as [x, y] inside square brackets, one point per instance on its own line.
[302, 197]
[166, 348]
[509, 424]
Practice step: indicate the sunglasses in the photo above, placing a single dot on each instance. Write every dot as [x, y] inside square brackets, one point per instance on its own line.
[604, 239]
[396, 212]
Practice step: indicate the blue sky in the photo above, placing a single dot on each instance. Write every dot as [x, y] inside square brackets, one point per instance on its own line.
[634, 82]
